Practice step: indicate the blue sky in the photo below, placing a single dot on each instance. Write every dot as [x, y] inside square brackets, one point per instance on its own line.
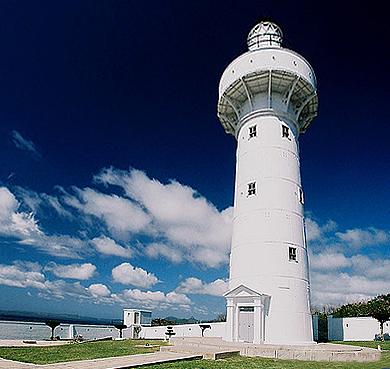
[116, 177]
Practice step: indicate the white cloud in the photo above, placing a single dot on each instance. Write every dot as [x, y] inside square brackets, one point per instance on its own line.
[121, 216]
[106, 245]
[179, 224]
[60, 246]
[313, 230]
[23, 143]
[341, 288]
[138, 277]
[59, 289]
[99, 290]
[23, 227]
[42, 201]
[378, 268]
[22, 275]
[154, 300]
[329, 261]
[358, 238]
[12, 222]
[194, 285]
[191, 227]
[155, 250]
[30, 275]
[72, 271]
[316, 232]
[341, 268]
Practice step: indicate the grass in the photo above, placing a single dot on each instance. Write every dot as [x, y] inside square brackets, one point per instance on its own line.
[93, 350]
[79, 351]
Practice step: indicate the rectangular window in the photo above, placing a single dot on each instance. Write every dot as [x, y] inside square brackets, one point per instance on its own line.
[285, 131]
[252, 132]
[251, 188]
[292, 253]
[301, 199]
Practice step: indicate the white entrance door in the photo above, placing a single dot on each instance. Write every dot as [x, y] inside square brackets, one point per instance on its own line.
[246, 324]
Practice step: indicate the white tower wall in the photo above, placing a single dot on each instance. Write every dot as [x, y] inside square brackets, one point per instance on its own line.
[267, 98]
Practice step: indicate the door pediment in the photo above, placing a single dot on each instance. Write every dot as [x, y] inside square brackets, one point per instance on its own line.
[243, 291]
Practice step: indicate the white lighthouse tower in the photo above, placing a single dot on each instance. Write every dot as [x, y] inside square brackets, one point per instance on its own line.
[267, 98]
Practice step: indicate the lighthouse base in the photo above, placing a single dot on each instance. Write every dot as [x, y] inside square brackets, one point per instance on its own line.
[254, 317]
[245, 317]
[314, 352]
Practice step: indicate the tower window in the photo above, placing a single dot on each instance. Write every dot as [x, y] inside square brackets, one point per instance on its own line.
[285, 132]
[251, 188]
[301, 199]
[292, 253]
[252, 132]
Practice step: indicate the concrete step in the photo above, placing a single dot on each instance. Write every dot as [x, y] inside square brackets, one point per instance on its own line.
[207, 352]
[312, 352]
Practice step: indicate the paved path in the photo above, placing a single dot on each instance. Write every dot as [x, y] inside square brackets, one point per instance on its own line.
[27, 343]
[121, 362]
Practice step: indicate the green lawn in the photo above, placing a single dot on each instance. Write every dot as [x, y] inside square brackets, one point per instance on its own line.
[92, 350]
[78, 351]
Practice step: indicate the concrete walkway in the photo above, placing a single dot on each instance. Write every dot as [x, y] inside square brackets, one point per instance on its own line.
[121, 362]
[30, 343]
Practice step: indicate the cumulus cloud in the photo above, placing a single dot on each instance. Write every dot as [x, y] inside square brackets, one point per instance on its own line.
[99, 290]
[342, 266]
[190, 226]
[170, 220]
[195, 286]
[341, 288]
[138, 277]
[22, 274]
[23, 143]
[154, 300]
[72, 271]
[121, 216]
[106, 245]
[24, 229]
[358, 238]
[31, 275]
[155, 250]
[12, 222]
[329, 260]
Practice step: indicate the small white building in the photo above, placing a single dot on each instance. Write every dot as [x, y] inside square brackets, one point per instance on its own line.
[135, 319]
[355, 329]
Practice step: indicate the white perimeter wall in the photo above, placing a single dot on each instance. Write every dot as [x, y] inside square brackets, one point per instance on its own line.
[10, 330]
[186, 330]
[354, 329]
[40, 331]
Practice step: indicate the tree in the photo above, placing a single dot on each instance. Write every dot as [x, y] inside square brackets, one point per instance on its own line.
[352, 310]
[379, 309]
[162, 321]
[221, 317]
[53, 324]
